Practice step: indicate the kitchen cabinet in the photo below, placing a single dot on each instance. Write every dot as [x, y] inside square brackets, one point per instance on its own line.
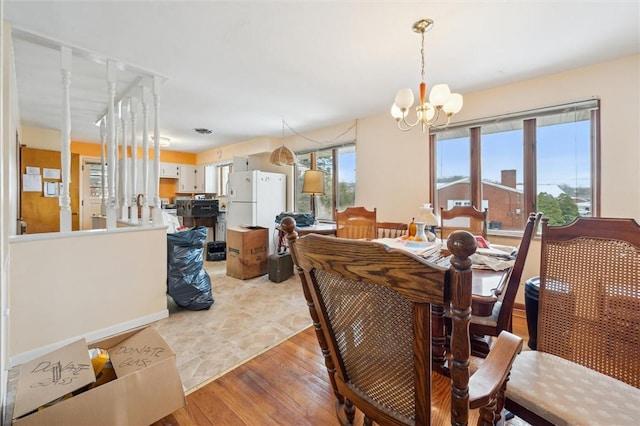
[187, 178]
[199, 179]
[191, 178]
[169, 170]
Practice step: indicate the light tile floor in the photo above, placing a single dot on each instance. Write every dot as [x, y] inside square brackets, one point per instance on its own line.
[246, 318]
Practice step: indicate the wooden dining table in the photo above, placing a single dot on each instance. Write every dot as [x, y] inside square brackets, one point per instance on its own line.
[486, 288]
[487, 283]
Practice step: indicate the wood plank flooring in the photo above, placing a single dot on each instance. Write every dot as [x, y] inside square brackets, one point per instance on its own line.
[286, 385]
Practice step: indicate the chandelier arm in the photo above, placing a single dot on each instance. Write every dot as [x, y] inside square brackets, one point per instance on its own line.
[443, 125]
[407, 125]
[436, 117]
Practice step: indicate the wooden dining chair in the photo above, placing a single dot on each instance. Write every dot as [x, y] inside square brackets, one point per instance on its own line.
[483, 329]
[588, 315]
[590, 294]
[371, 308]
[392, 229]
[466, 218]
[356, 223]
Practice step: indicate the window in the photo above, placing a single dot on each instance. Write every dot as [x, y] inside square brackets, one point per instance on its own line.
[223, 178]
[541, 160]
[338, 165]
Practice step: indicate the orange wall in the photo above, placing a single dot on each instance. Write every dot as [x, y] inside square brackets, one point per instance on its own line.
[93, 150]
[167, 186]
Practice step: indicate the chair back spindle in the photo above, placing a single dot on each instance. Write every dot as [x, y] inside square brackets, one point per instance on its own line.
[356, 223]
[392, 229]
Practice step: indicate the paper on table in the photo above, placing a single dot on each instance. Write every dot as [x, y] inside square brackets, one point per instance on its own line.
[498, 250]
[418, 248]
[495, 263]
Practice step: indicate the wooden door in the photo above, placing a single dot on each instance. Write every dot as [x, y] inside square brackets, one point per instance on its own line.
[40, 211]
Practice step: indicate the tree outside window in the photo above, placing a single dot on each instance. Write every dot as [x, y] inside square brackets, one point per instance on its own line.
[338, 166]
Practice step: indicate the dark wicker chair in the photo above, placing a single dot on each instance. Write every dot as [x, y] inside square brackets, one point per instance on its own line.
[371, 308]
[588, 315]
[487, 327]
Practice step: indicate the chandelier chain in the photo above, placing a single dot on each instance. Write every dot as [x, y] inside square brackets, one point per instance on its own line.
[422, 55]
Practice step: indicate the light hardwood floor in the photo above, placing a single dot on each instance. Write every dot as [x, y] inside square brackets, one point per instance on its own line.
[287, 385]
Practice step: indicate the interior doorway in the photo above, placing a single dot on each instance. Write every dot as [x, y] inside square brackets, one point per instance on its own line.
[94, 190]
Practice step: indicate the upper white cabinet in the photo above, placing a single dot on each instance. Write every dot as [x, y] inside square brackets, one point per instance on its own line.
[169, 170]
[187, 178]
[191, 179]
[200, 178]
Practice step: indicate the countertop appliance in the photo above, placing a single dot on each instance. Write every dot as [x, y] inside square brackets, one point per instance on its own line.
[197, 208]
[255, 198]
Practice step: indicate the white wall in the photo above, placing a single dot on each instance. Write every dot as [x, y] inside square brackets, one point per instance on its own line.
[8, 185]
[393, 166]
[35, 137]
[617, 84]
[84, 284]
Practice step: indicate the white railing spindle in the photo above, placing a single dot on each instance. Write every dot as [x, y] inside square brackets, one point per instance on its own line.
[65, 141]
[111, 136]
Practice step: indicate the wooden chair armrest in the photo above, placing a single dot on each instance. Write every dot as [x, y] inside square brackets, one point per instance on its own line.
[488, 379]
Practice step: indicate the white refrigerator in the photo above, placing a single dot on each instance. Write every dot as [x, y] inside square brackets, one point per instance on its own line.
[255, 198]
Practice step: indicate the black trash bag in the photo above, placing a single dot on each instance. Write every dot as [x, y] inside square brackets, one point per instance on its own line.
[187, 282]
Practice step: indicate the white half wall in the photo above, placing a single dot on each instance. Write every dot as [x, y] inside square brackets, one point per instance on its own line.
[90, 284]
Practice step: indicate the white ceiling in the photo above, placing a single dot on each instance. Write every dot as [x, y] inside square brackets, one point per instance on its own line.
[240, 67]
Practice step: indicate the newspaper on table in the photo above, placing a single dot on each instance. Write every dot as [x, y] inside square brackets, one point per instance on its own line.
[423, 249]
[496, 257]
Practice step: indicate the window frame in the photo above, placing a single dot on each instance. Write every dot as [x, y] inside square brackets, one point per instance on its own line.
[313, 154]
[223, 170]
[529, 119]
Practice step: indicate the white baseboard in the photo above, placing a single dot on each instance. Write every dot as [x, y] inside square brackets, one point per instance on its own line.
[23, 357]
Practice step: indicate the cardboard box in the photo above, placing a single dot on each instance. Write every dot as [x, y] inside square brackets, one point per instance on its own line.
[247, 252]
[147, 387]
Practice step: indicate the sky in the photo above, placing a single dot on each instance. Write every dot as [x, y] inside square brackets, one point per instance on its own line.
[347, 167]
[563, 155]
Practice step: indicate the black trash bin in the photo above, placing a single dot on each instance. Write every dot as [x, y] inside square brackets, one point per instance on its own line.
[216, 250]
[531, 297]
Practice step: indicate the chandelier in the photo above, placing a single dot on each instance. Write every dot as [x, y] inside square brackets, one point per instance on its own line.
[442, 103]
